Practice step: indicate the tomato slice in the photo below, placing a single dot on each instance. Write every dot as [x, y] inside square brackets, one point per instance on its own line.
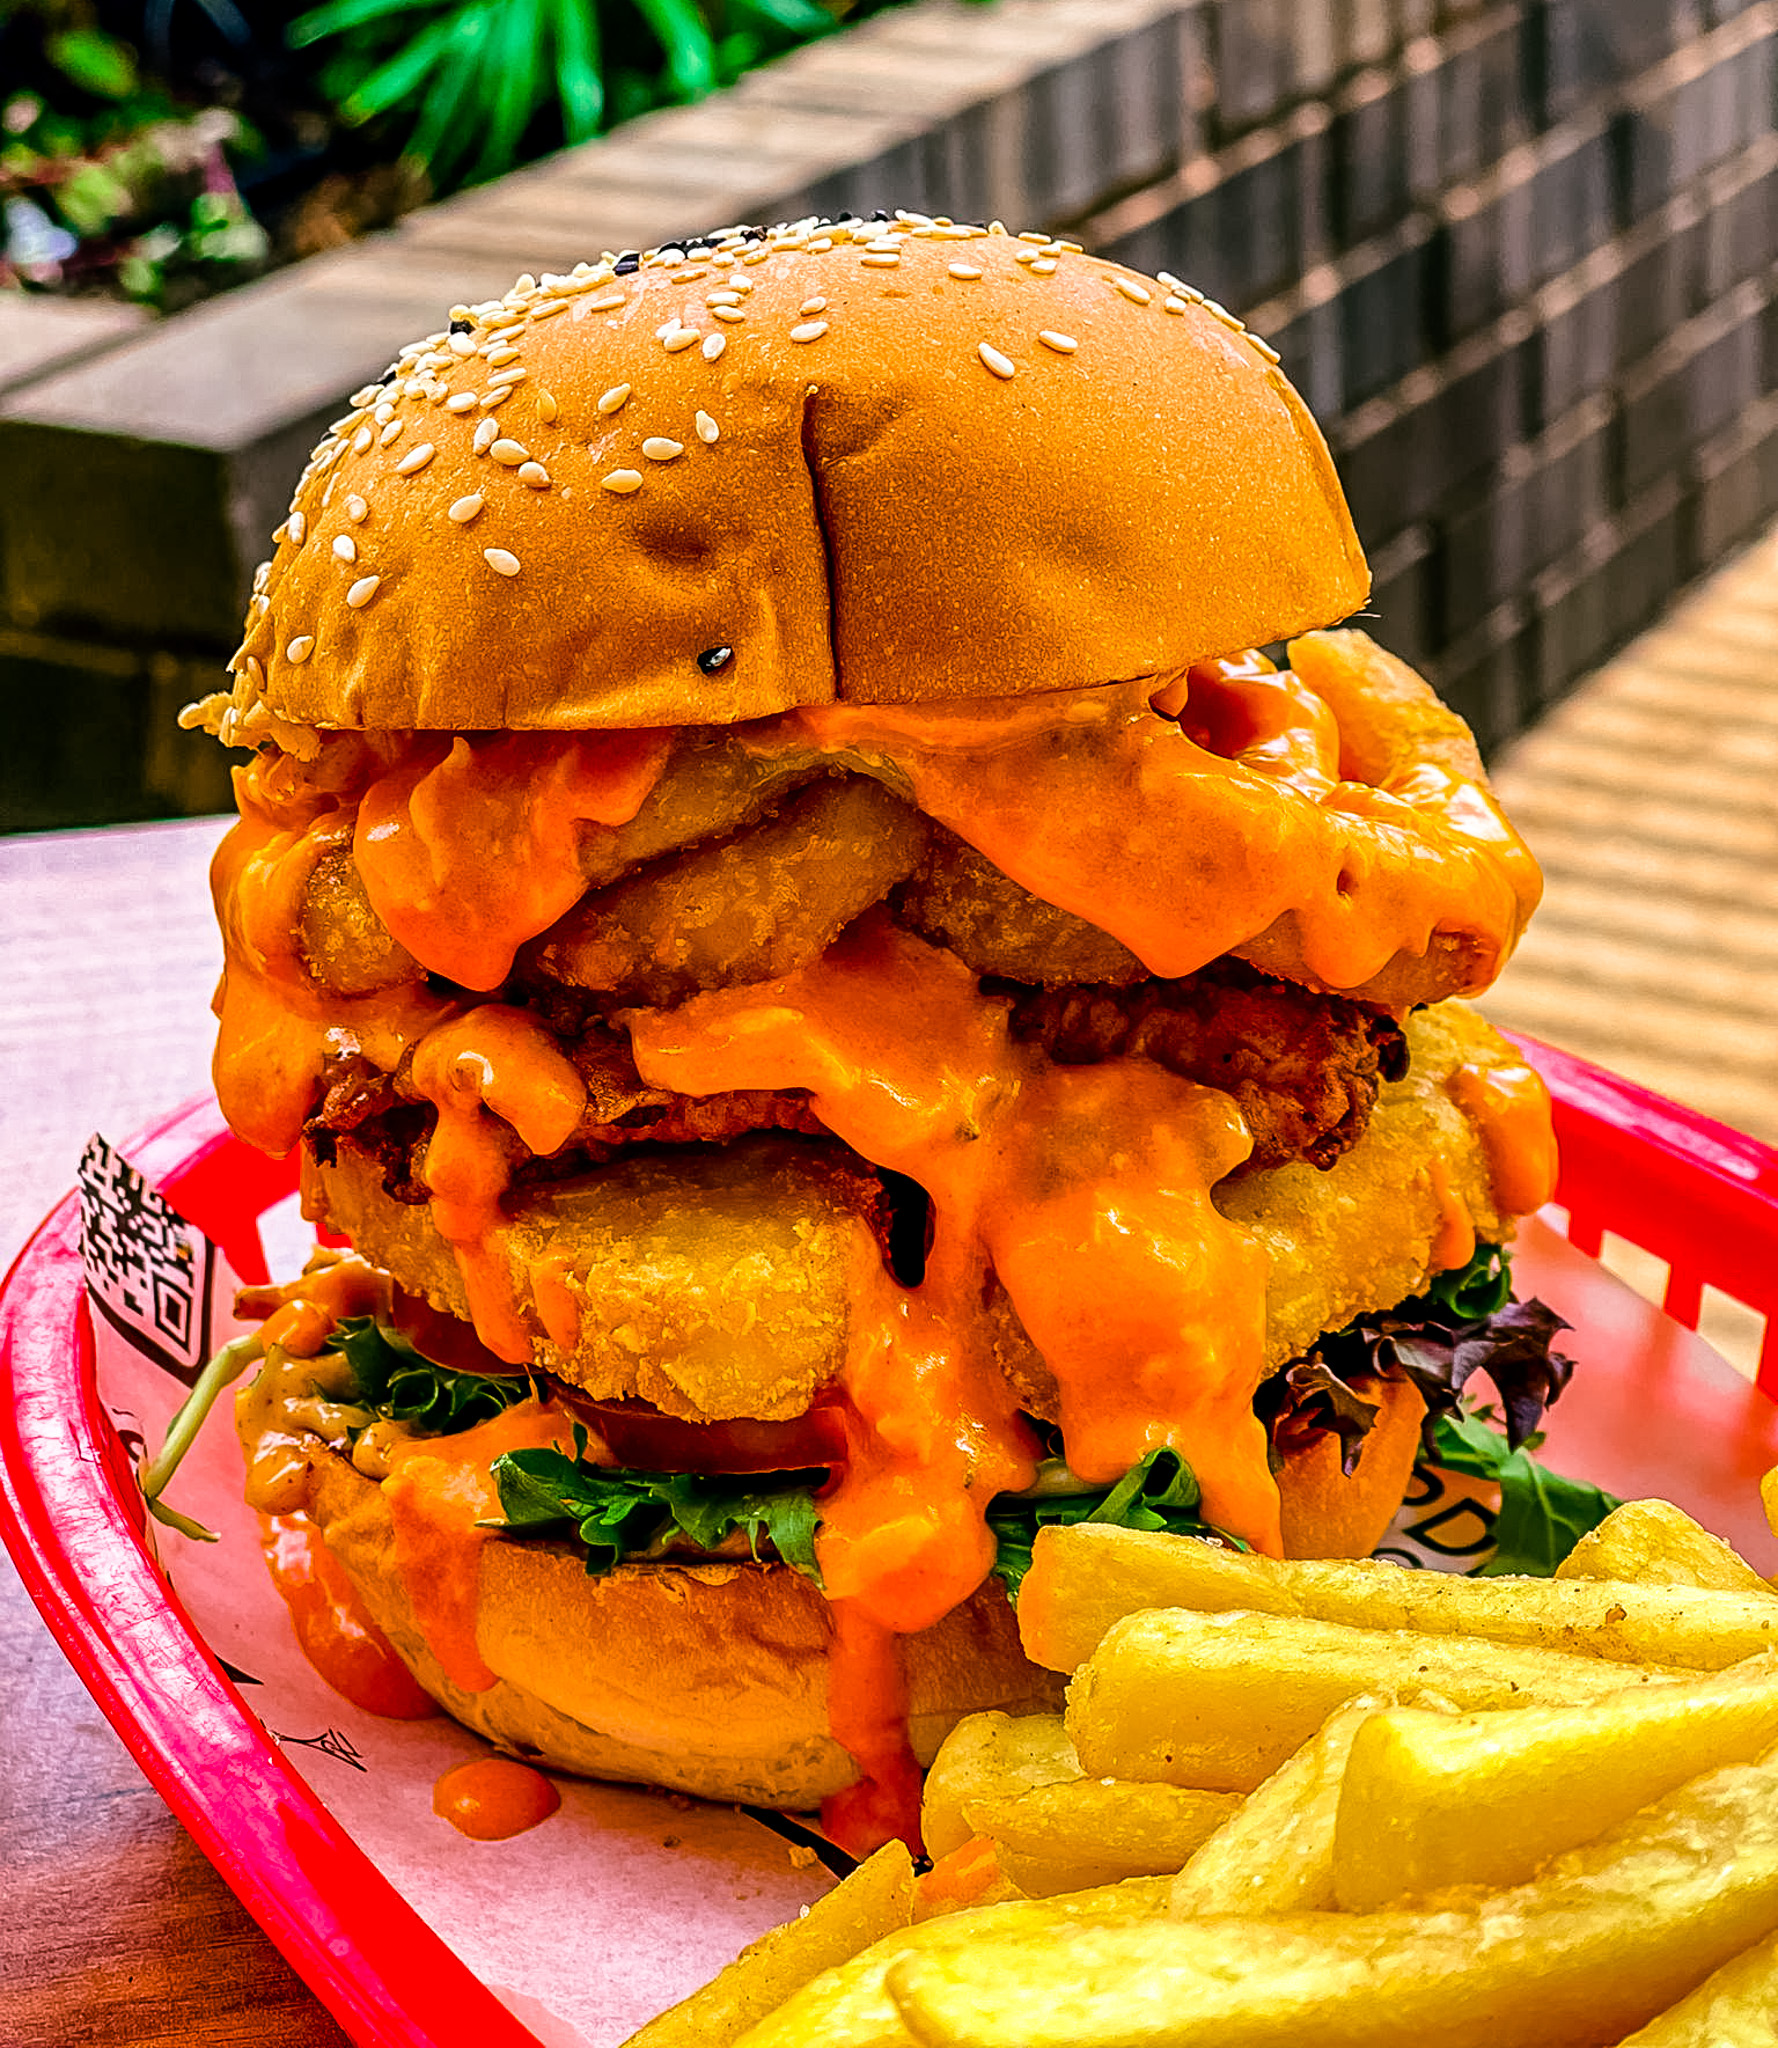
[447, 1340]
[645, 1440]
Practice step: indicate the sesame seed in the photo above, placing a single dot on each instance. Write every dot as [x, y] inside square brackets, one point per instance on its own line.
[384, 413]
[1173, 305]
[502, 563]
[296, 526]
[1167, 278]
[415, 459]
[462, 401]
[547, 407]
[534, 474]
[724, 297]
[668, 326]
[300, 648]
[390, 432]
[357, 510]
[462, 344]
[498, 394]
[610, 303]
[815, 305]
[485, 436]
[881, 260]
[1266, 349]
[683, 338]
[965, 270]
[669, 255]
[809, 330]
[614, 398]
[622, 481]
[508, 378]
[1034, 235]
[362, 592]
[465, 509]
[360, 441]
[659, 449]
[510, 453]
[1223, 314]
[1002, 366]
[1043, 266]
[544, 311]
[1063, 344]
[1024, 255]
[1139, 294]
[730, 313]
[346, 548]
[714, 344]
[707, 428]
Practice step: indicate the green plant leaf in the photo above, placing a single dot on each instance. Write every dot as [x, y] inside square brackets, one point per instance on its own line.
[513, 63]
[578, 84]
[1159, 1492]
[801, 17]
[94, 61]
[1542, 1515]
[397, 1381]
[684, 38]
[391, 83]
[441, 138]
[339, 15]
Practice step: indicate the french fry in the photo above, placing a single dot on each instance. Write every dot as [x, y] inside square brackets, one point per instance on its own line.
[1607, 1937]
[1737, 2007]
[1430, 1801]
[1274, 1854]
[990, 1756]
[874, 1900]
[1095, 1831]
[1087, 1577]
[968, 1877]
[1218, 1701]
[1653, 1543]
[849, 2007]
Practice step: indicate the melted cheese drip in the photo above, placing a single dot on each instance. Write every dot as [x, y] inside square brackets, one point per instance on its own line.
[495, 1076]
[1086, 1189]
[1210, 851]
[1510, 1106]
[1454, 1245]
[465, 857]
[333, 1627]
[438, 1493]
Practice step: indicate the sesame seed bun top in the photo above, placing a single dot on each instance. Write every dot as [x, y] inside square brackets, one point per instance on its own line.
[857, 461]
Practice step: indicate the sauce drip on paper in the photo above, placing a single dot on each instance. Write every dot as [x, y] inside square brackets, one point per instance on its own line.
[492, 1798]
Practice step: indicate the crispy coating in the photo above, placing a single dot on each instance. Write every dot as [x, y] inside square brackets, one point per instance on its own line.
[715, 1281]
[738, 910]
[959, 899]
[1304, 1068]
[342, 940]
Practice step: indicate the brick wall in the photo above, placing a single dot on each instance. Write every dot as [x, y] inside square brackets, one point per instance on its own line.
[1520, 258]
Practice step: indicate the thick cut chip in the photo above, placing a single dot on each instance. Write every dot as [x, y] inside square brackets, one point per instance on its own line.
[1275, 1852]
[1084, 1578]
[850, 2008]
[1603, 1940]
[1218, 1701]
[986, 1757]
[1737, 2007]
[1093, 1831]
[874, 1900]
[743, 909]
[1653, 1543]
[1431, 1801]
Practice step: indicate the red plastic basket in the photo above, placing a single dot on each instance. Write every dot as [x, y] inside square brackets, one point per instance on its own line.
[1698, 1195]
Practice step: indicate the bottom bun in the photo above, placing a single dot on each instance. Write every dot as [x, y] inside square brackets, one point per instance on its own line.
[703, 1678]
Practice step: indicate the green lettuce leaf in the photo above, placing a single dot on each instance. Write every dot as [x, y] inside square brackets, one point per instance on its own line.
[1542, 1515]
[397, 1381]
[1159, 1493]
[618, 1514]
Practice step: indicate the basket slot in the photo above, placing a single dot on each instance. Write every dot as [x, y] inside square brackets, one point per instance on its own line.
[1683, 1296]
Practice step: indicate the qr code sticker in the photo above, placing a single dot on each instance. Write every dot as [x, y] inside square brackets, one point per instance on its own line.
[147, 1269]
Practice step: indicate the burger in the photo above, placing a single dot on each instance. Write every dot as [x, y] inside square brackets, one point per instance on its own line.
[834, 1004]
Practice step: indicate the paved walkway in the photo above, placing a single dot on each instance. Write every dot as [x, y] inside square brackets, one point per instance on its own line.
[1651, 798]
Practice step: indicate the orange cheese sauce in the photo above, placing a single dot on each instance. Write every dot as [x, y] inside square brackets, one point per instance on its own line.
[493, 1798]
[333, 1626]
[468, 850]
[1511, 1109]
[1454, 1245]
[1086, 1189]
[437, 1492]
[867, 1710]
[1208, 852]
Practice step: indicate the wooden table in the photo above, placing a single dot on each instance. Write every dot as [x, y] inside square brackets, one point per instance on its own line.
[114, 1929]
